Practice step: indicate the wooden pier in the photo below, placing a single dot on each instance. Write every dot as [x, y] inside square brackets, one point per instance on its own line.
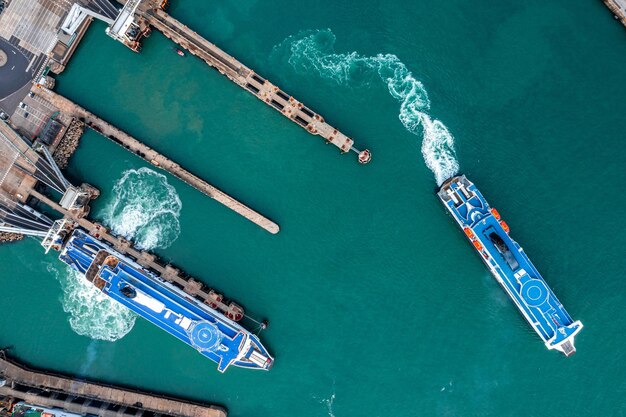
[83, 397]
[109, 131]
[243, 76]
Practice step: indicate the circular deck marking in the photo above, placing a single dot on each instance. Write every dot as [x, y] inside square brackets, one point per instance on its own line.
[205, 336]
[3, 58]
[534, 292]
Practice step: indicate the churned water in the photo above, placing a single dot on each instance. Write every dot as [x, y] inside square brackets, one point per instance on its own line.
[144, 208]
[377, 304]
[314, 52]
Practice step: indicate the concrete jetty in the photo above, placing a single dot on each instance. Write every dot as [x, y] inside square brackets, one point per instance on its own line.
[618, 7]
[89, 398]
[246, 78]
[109, 131]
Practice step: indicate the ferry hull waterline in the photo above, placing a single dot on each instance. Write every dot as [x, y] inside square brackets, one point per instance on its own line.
[509, 264]
[210, 332]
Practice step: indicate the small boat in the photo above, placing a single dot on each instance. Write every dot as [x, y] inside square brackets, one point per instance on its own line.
[179, 52]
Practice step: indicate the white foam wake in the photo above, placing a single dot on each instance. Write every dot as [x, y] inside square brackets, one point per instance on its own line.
[329, 404]
[145, 209]
[314, 51]
[91, 313]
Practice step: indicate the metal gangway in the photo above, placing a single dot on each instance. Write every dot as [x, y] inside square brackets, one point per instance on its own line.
[77, 15]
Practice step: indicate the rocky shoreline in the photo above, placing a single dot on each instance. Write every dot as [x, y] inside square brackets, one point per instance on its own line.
[10, 237]
[69, 143]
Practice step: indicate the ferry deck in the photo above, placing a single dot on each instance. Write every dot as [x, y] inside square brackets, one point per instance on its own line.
[509, 264]
[208, 331]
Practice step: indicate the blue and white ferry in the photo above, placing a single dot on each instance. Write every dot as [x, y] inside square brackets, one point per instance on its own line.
[207, 330]
[508, 263]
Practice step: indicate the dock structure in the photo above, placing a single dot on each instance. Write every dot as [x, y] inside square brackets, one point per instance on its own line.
[109, 131]
[27, 168]
[148, 261]
[89, 398]
[618, 7]
[151, 12]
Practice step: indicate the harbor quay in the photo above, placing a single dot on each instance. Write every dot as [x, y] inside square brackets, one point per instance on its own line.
[134, 22]
[618, 8]
[158, 160]
[38, 136]
[28, 172]
[24, 389]
[160, 293]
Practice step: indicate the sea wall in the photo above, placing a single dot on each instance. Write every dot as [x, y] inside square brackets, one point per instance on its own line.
[10, 237]
[68, 144]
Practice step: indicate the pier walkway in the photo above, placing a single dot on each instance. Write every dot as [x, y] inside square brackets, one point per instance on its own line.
[193, 287]
[618, 7]
[111, 132]
[83, 397]
[247, 79]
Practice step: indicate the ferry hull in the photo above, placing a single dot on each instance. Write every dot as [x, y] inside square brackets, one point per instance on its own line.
[509, 265]
[211, 333]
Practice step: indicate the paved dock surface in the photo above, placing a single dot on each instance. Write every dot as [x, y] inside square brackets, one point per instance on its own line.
[111, 132]
[244, 77]
[84, 397]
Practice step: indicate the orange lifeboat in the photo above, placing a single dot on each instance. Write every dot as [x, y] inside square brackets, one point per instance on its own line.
[478, 245]
[495, 213]
[469, 233]
[504, 226]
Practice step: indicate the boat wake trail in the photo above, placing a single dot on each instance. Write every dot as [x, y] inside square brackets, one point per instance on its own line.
[328, 402]
[145, 209]
[315, 51]
[92, 313]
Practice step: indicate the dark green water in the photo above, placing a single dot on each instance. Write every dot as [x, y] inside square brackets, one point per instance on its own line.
[378, 306]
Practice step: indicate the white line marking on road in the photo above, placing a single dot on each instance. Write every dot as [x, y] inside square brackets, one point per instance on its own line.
[32, 61]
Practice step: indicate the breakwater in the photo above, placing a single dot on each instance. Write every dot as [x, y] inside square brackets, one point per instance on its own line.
[68, 144]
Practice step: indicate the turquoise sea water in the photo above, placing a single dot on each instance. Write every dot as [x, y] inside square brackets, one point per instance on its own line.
[377, 304]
